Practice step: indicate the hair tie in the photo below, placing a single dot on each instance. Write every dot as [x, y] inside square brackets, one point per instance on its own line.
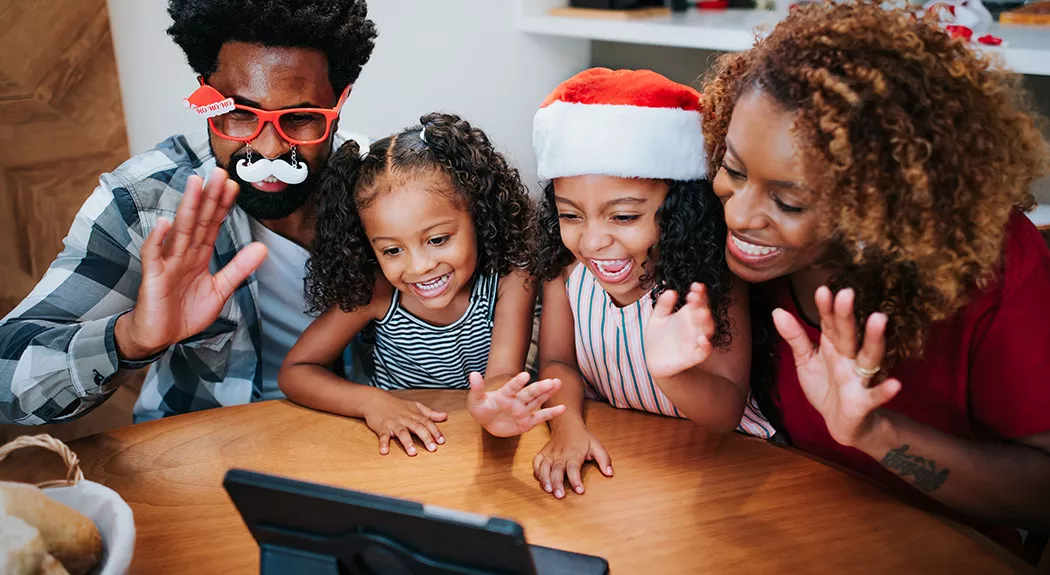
[423, 135]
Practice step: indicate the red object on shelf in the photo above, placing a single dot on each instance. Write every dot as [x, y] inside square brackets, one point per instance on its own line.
[959, 32]
[712, 5]
[989, 40]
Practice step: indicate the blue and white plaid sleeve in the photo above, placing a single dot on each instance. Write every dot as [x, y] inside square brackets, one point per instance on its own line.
[58, 358]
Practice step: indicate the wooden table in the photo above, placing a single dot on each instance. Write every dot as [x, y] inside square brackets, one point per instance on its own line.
[680, 502]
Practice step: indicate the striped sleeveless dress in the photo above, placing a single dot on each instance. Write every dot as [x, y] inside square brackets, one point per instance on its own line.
[610, 351]
[411, 353]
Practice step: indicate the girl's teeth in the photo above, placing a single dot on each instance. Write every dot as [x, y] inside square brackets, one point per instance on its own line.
[611, 267]
[752, 249]
[271, 180]
[613, 270]
[434, 284]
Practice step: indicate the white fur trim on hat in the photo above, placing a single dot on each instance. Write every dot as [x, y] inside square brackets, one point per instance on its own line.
[573, 139]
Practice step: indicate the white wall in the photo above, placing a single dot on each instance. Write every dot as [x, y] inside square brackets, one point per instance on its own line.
[459, 56]
[154, 76]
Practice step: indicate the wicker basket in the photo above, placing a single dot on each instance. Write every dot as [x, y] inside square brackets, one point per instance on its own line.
[102, 505]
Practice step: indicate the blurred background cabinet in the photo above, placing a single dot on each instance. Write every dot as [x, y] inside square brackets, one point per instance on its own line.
[61, 125]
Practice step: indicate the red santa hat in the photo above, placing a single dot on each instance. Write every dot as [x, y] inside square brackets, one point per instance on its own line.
[207, 102]
[623, 123]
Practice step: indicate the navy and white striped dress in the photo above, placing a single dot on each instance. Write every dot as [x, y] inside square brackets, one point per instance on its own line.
[411, 353]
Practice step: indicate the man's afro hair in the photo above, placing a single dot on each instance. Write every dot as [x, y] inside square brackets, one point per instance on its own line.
[338, 28]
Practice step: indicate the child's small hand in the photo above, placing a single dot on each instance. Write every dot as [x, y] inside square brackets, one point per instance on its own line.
[514, 408]
[678, 340]
[391, 417]
[569, 448]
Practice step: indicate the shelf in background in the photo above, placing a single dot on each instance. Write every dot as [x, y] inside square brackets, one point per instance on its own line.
[1027, 50]
[1040, 216]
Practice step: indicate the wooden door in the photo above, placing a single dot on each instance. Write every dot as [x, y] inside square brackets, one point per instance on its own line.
[61, 125]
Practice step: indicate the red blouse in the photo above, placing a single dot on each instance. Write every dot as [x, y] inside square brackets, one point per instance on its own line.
[984, 375]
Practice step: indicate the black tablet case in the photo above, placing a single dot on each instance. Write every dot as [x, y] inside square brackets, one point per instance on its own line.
[305, 528]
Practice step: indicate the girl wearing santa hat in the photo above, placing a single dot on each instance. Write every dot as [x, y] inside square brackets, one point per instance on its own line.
[424, 237]
[639, 309]
[874, 173]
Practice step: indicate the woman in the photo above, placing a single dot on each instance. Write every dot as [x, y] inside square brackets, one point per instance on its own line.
[862, 150]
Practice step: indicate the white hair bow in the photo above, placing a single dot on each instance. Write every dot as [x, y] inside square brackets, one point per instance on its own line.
[361, 139]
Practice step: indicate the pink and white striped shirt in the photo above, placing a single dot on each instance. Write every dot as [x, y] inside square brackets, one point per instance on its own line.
[610, 351]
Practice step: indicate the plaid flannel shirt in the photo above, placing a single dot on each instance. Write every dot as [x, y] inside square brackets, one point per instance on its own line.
[58, 358]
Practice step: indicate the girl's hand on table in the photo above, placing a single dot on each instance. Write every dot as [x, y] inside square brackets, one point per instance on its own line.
[570, 446]
[391, 417]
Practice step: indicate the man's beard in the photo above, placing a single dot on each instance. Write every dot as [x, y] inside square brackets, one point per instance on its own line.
[271, 205]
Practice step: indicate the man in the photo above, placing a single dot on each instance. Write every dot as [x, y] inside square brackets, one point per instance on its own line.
[196, 299]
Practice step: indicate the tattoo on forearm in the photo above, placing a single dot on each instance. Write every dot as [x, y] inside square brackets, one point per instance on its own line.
[927, 476]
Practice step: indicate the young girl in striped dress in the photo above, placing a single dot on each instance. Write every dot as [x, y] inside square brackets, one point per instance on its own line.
[425, 237]
[639, 309]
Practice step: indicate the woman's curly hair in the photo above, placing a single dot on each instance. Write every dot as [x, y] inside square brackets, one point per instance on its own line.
[343, 265]
[691, 248]
[916, 147]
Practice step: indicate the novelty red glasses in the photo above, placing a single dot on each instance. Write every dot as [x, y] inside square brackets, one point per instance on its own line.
[298, 126]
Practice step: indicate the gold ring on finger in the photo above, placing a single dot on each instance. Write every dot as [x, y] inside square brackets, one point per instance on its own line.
[867, 372]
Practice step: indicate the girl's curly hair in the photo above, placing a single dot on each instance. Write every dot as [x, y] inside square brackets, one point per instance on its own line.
[916, 147]
[342, 266]
[691, 248]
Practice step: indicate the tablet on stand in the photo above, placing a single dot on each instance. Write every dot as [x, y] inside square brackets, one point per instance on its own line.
[305, 528]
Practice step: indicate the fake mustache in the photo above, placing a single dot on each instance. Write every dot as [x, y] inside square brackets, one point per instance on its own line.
[263, 168]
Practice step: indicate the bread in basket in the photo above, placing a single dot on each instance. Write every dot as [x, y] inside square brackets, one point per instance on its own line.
[70, 526]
